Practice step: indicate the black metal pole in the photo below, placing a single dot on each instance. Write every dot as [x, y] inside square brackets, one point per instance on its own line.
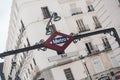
[87, 70]
[49, 20]
[21, 50]
[47, 26]
[75, 37]
[104, 31]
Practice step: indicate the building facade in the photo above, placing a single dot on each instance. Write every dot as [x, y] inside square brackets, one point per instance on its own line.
[1, 71]
[28, 27]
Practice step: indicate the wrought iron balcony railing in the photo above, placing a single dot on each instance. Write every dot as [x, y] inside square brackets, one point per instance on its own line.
[96, 50]
[97, 25]
[76, 11]
[83, 29]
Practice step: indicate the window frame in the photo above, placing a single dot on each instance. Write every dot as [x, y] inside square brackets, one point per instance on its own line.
[46, 12]
[68, 74]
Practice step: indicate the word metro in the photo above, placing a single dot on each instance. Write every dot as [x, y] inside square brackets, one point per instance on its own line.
[59, 40]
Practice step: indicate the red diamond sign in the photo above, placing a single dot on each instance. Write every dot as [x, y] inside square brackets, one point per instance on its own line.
[58, 41]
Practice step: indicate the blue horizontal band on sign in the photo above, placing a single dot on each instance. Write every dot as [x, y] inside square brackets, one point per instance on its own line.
[59, 40]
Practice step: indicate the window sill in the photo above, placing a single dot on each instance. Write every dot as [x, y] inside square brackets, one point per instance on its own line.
[77, 13]
[98, 27]
[91, 10]
[46, 17]
[80, 31]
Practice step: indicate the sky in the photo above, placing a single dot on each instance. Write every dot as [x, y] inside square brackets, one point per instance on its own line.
[5, 6]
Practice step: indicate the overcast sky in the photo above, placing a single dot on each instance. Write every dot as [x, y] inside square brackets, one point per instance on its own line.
[5, 6]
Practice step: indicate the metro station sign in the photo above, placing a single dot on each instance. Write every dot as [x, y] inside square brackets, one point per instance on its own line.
[58, 41]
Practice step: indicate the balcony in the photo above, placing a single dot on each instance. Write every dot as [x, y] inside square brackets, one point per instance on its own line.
[14, 63]
[84, 29]
[107, 47]
[76, 11]
[13, 66]
[93, 50]
[96, 50]
[90, 8]
[97, 25]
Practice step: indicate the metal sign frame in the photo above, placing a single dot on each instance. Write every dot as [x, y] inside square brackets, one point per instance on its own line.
[55, 46]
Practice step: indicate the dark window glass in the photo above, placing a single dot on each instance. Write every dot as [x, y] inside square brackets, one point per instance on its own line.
[31, 66]
[26, 75]
[46, 12]
[97, 23]
[28, 42]
[90, 8]
[34, 61]
[80, 25]
[106, 43]
[29, 71]
[89, 47]
[68, 74]
[23, 27]
[42, 79]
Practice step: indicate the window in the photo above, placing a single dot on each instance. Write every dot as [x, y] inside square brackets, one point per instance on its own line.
[91, 48]
[46, 12]
[26, 75]
[34, 61]
[31, 66]
[97, 64]
[24, 55]
[29, 71]
[24, 78]
[68, 74]
[90, 6]
[97, 23]
[106, 43]
[74, 9]
[42, 79]
[28, 42]
[81, 26]
[23, 27]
